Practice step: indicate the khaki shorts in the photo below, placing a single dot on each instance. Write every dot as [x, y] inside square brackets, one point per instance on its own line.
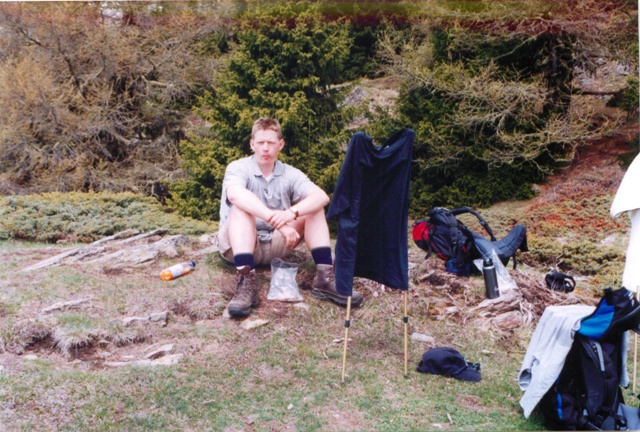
[263, 254]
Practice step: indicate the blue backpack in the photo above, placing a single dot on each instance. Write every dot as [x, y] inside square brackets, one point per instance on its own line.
[587, 393]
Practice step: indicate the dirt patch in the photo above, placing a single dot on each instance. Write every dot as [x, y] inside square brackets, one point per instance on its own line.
[342, 420]
[474, 403]
[596, 168]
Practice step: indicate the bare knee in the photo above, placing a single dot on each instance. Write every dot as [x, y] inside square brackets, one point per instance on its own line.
[238, 217]
[241, 228]
[317, 218]
[316, 230]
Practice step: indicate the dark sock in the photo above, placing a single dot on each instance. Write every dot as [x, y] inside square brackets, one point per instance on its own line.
[322, 255]
[244, 259]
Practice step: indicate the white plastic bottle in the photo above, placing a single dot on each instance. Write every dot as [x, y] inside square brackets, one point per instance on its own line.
[175, 271]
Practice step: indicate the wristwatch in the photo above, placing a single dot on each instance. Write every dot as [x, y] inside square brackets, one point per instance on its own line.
[295, 212]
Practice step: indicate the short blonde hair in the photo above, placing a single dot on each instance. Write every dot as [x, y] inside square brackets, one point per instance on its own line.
[266, 123]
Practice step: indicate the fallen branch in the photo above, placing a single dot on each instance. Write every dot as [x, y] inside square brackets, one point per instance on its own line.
[64, 305]
[122, 234]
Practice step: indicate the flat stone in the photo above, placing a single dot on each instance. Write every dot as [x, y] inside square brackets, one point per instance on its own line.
[252, 324]
[451, 310]
[121, 235]
[163, 361]
[208, 250]
[207, 238]
[419, 337]
[508, 320]
[139, 236]
[130, 320]
[163, 350]
[302, 305]
[157, 317]
[52, 261]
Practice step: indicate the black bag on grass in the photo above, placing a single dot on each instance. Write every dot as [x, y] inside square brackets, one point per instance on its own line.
[444, 235]
[560, 282]
[587, 393]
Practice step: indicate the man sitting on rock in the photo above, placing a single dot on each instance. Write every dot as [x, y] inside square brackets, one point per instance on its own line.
[267, 208]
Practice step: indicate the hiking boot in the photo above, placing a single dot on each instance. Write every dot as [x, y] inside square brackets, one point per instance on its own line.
[324, 287]
[246, 293]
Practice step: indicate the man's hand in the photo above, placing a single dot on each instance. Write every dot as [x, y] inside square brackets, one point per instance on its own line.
[280, 218]
[291, 236]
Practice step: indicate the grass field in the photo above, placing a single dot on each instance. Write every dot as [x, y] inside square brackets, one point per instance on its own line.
[284, 375]
[79, 347]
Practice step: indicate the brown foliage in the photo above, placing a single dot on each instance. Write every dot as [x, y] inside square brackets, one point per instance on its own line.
[89, 94]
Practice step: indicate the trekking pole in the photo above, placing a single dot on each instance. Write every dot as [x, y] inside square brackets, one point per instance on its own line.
[635, 354]
[635, 363]
[406, 336]
[347, 323]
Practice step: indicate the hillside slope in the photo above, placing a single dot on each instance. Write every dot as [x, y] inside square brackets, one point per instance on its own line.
[98, 317]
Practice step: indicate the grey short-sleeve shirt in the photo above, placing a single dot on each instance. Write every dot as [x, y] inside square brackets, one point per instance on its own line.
[285, 187]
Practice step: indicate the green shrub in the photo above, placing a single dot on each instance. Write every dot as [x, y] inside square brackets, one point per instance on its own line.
[204, 161]
[87, 217]
[628, 98]
[285, 64]
[490, 110]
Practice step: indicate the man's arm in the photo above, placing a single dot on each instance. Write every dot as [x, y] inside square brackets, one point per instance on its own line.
[248, 201]
[315, 200]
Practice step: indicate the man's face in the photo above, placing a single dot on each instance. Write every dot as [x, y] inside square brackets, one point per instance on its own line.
[266, 145]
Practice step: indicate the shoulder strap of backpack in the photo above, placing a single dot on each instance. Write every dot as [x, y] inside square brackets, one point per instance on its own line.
[461, 210]
[601, 384]
[452, 222]
[443, 216]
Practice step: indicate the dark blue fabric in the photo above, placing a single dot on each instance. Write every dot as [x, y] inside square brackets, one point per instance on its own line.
[322, 255]
[371, 202]
[244, 259]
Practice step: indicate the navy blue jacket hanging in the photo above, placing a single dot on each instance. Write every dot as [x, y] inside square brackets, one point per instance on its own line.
[371, 202]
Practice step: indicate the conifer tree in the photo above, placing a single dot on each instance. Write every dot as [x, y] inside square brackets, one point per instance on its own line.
[285, 63]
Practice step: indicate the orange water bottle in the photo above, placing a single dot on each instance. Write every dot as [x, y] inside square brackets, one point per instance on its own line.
[175, 271]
